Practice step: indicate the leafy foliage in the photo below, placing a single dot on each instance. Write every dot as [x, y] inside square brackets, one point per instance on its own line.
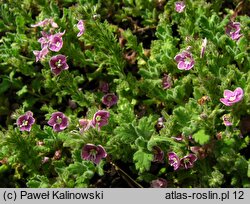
[131, 46]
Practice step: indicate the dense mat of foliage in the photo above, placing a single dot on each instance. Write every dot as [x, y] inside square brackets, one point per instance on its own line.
[110, 93]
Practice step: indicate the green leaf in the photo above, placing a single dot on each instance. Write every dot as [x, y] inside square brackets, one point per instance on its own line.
[22, 91]
[145, 127]
[201, 137]
[182, 116]
[142, 160]
[4, 85]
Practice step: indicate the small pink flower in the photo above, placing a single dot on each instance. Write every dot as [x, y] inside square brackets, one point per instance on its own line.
[84, 124]
[232, 97]
[227, 120]
[24, 122]
[100, 119]
[166, 82]
[44, 40]
[109, 99]
[58, 121]
[41, 54]
[103, 86]
[185, 60]
[93, 153]
[46, 22]
[56, 42]
[178, 138]
[180, 6]
[58, 63]
[203, 47]
[233, 30]
[158, 183]
[158, 154]
[187, 162]
[81, 27]
[199, 151]
[45, 160]
[174, 160]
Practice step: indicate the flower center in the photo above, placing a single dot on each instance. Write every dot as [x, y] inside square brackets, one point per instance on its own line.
[98, 118]
[109, 98]
[187, 162]
[58, 120]
[58, 63]
[24, 123]
[232, 98]
[92, 154]
[187, 61]
[174, 161]
[58, 44]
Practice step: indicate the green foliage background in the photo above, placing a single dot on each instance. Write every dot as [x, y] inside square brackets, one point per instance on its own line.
[130, 44]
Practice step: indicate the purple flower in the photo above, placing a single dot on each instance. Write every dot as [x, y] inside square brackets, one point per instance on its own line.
[58, 63]
[40, 54]
[81, 27]
[180, 6]
[199, 151]
[56, 42]
[58, 121]
[93, 153]
[24, 122]
[203, 47]
[57, 155]
[46, 22]
[44, 40]
[84, 124]
[109, 99]
[178, 138]
[227, 120]
[100, 119]
[160, 123]
[173, 160]
[232, 97]
[158, 183]
[185, 60]
[158, 154]
[103, 86]
[187, 162]
[45, 160]
[166, 81]
[233, 30]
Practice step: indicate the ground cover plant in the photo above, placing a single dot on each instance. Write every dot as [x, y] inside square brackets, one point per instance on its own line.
[132, 93]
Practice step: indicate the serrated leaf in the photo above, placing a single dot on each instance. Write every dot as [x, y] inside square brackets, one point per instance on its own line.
[201, 137]
[142, 160]
[181, 116]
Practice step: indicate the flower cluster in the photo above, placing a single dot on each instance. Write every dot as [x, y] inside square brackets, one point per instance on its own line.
[99, 120]
[186, 162]
[51, 42]
[48, 41]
